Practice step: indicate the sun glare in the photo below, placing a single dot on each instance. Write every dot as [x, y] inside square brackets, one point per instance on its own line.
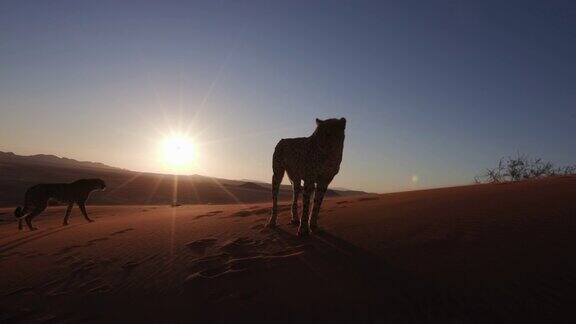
[178, 153]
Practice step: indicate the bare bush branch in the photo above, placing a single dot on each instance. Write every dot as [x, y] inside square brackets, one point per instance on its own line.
[522, 167]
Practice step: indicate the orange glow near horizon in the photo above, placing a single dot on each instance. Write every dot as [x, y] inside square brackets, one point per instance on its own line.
[178, 153]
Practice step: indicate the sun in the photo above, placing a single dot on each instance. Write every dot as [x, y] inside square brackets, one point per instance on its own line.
[178, 152]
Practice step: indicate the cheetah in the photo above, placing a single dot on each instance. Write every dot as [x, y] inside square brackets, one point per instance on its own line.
[36, 199]
[313, 160]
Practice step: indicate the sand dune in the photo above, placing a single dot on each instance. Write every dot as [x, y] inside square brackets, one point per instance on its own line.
[481, 253]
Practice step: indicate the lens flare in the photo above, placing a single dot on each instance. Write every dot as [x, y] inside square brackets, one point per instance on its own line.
[178, 153]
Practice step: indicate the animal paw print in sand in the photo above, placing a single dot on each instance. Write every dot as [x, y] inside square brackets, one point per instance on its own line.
[241, 257]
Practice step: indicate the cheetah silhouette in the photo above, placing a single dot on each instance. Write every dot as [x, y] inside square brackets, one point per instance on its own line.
[37, 197]
[314, 160]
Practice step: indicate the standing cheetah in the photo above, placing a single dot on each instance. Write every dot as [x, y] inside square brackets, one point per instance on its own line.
[315, 160]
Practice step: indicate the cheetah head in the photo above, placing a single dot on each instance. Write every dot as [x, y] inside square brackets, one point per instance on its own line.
[331, 129]
[99, 184]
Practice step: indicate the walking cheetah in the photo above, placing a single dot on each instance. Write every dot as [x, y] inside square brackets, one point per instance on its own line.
[36, 198]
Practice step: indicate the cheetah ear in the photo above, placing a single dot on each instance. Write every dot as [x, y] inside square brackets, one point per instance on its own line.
[319, 121]
[343, 121]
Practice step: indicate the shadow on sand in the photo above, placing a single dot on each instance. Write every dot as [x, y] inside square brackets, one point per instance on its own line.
[357, 283]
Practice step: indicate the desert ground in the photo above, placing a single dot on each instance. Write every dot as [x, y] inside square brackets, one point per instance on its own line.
[481, 253]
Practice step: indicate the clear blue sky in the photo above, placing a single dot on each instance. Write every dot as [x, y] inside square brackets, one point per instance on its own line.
[437, 89]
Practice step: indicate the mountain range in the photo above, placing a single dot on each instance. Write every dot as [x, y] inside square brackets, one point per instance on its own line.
[126, 187]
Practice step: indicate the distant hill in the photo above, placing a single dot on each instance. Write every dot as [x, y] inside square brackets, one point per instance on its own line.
[332, 192]
[252, 186]
[52, 160]
[126, 187]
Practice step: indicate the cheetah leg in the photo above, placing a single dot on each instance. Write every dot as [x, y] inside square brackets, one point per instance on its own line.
[83, 209]
[21, 219]
[318, 197]
[35, 213]
[67, 216]
[276, 180]
[297, 189]
[304, 228]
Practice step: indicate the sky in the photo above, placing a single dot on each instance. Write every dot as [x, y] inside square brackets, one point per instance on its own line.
[434, 92]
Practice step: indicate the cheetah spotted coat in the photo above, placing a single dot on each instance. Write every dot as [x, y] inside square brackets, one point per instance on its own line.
[313, 161]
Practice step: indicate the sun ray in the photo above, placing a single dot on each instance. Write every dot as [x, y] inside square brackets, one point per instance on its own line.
[155, 188]
[194, 189]
[228, 192]
[222, 68]
[172, 234]
[248, 135]
[125, 183]
[175, 191]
